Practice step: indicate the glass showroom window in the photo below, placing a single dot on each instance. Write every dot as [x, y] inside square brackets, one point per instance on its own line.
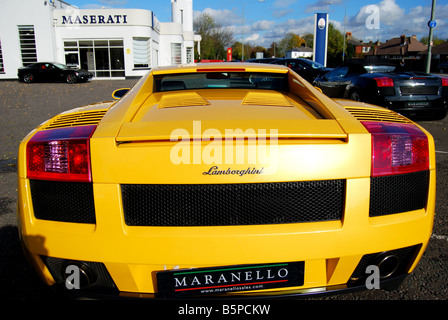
[104, 58]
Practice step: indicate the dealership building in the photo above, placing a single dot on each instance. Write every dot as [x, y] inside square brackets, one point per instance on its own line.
[110, 43]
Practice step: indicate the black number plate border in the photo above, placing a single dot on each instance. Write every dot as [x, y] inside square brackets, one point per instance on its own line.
[228, 279]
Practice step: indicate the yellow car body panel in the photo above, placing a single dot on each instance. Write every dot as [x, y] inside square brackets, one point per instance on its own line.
[315, 139]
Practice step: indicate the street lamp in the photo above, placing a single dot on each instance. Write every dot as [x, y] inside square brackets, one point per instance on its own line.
[242, 31]
[431, 25]
[345, 17]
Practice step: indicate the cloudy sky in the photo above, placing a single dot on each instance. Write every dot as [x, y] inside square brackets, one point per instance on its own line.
[266, 21]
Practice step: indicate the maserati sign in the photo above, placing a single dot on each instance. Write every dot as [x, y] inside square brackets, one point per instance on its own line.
[103, 17]
[95, 19]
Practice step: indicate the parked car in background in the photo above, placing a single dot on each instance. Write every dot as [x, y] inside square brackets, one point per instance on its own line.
[306, 68]
[262, 60]
[52, 72]
[416, 95]
[443, 67]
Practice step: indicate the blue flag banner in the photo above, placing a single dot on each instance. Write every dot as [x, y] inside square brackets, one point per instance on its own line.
[320, 38]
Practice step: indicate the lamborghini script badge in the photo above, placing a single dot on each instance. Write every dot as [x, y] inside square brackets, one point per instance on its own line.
[215, 170]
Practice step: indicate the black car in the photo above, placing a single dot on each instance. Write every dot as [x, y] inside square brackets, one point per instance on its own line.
[261, 60]
[306, 68]
[443, 67]
[416, 95]
[52, 72]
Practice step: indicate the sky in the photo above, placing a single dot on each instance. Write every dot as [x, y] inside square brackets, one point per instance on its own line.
[266, 21]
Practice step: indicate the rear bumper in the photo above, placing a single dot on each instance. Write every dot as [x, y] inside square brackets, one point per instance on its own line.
[436, 108]
[393, 283]
[84, 77]
[126, 259]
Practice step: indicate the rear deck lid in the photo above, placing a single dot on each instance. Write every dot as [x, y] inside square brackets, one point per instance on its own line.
[231, 112]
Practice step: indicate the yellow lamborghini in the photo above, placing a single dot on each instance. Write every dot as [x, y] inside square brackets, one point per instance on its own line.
[226, 180]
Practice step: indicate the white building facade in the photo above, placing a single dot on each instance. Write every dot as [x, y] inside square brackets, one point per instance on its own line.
[110, 43]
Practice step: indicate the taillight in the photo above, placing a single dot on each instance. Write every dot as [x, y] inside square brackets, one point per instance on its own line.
[60, 154]
[397, 148]
[444, 82]
[384, 82]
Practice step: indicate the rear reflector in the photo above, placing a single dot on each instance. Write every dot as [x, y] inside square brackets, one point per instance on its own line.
[60, 154]
[397, 148]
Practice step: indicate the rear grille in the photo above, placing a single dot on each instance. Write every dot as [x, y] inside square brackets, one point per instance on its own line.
[419, 90]
[371, 114]
[398, 193]
[77, 119]
[233, 204]
[63, 201]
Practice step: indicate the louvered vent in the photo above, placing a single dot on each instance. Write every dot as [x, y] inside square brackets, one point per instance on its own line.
[77, 119]
[183, 99]
[370, 114]
[266, 99]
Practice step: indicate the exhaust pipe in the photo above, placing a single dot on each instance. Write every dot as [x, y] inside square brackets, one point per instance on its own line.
[86, 276]
[388, 264]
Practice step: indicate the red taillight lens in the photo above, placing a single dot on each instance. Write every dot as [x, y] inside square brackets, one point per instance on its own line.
[384, 82]
[60, 154]
[397, 148]
[444, 82]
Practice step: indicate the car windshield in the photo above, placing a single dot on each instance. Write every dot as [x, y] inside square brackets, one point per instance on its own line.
[373, 69]
[61, 66]
[315, 65]
[221, 80]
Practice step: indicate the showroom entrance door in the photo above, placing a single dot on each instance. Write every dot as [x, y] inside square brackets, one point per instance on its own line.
[103, 58]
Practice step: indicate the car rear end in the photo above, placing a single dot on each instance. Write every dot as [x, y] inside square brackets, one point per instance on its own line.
[169, 199]
[417, 96]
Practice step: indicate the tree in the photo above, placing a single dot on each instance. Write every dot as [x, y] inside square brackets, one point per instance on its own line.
[253, 51]
[215, 38]
[335, 46]
[236, 50]
[435, 40]
[290, 41]
[309, 40]
[272, 51]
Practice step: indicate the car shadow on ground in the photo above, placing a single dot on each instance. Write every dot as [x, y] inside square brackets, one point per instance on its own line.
[18, 281]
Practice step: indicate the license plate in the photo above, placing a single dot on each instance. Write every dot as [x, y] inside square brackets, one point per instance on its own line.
[418, 104]
[221, 280]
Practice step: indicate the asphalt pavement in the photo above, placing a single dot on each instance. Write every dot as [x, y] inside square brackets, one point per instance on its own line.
[23, 107]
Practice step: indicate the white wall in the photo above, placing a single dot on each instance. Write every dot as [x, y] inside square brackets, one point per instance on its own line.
[24, 12]
[51, 31]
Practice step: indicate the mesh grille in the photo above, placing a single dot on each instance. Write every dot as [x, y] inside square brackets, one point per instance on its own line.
[63, 201]
[233, 204]
[398, 193]
[77, 119]
[419, 90]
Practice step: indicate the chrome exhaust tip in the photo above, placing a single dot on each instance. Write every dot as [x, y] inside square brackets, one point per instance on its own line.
[387, 264]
